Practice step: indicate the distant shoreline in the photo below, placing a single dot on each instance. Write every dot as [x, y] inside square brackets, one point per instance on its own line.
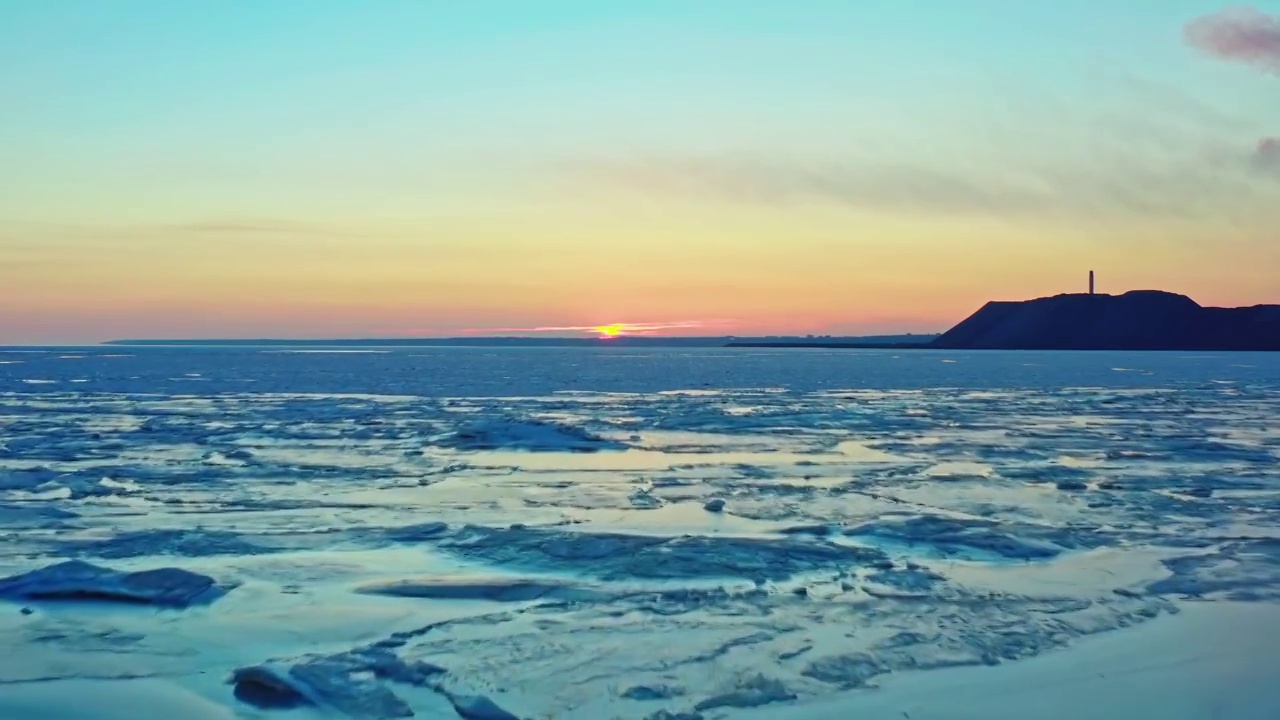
[1145, 320]
[870, 341]
[837, 345]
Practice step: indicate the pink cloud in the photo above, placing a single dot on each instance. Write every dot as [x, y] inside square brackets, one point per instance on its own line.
[627, 328]
[1243, 34]
[673, 327]
[1267, 156]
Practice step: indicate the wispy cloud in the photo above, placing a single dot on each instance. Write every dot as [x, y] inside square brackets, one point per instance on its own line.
[255, 227]
[1241, 34]
[1113, 182]
[1251, 37]
[762, 181]
[1167, 108]
[21, 266]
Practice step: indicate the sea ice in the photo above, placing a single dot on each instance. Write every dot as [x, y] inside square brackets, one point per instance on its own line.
[500, 589]
[77, 580]
[531, 435]
[479, 708]
[957, 534]
[516, 516]
[323, 682]
[753, 692]
[616, 556]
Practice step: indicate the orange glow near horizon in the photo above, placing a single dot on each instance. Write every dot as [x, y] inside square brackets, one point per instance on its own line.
[615, 330]
[895, 275]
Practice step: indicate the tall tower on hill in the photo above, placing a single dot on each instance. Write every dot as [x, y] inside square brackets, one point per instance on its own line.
[1090, 282]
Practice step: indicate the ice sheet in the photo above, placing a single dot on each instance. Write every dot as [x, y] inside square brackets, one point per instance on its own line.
[657, 531]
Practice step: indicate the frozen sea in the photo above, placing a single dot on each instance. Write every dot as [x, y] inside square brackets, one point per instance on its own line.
[612, 533]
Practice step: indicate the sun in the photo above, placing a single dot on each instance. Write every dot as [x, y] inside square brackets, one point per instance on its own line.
[609, 332]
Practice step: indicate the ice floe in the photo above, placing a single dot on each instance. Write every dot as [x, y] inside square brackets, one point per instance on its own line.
[77, 580]
[531, 435]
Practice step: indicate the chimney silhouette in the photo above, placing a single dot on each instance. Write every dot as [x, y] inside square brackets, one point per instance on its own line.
[1090, 282]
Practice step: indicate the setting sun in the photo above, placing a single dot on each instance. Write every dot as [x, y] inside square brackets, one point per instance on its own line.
[610, 331]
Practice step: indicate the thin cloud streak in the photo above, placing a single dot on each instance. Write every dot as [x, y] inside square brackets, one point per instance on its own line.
[1115, 183]
[628, 328]
[1243, 35]
[636, 328]
[256, 227]
[766, 182]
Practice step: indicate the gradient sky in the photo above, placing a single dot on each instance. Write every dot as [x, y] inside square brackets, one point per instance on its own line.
[323, 168]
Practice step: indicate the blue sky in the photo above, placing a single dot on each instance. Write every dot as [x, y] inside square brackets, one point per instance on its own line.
[142, 137]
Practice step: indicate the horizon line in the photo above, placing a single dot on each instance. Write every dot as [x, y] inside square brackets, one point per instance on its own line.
[468, 338]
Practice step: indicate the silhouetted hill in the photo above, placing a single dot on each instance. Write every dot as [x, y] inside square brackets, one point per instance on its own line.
[1137, 320]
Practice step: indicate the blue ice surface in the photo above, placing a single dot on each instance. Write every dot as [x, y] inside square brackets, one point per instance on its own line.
[507, 371]
[1021, 502]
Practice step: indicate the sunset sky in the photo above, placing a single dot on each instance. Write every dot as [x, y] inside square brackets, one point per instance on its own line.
[320, 168]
